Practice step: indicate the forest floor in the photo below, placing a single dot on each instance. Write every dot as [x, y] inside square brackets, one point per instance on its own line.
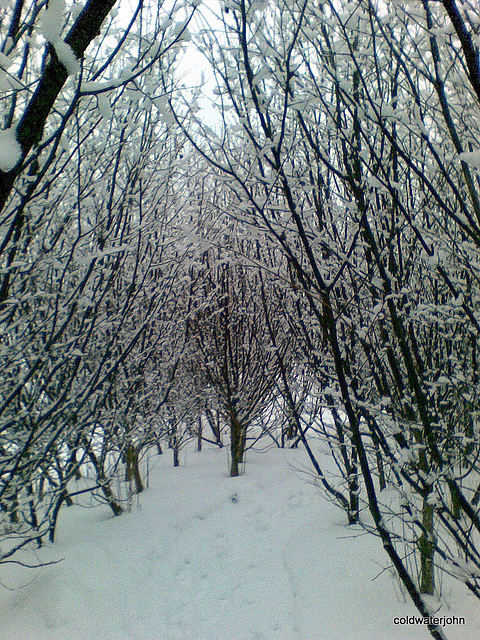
[202, 556]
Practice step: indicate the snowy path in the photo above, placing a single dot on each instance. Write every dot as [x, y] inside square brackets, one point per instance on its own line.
[208, 557]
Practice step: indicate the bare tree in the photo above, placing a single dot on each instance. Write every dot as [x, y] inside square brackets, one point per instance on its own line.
[79, 204]
[349, 137]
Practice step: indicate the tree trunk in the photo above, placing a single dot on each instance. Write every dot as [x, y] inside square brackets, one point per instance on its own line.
[214, 423]
[131, 456]
[176, 459]
[199, 434]
[238, 435]
[104, 484]
[426, 545]
[54, 518]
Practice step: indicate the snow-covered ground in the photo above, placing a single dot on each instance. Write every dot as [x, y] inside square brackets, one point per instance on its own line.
[208, 557]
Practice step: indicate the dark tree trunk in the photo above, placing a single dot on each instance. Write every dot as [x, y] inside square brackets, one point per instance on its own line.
[176, 459]
[199, 434]
[426, 545]
[214, 423]
[104, 483]
[131, 456]
[238, 436]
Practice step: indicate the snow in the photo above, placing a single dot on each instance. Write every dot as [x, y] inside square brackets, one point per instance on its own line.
[208, 557]
[51, 28]
[104, 106]
[53, 20]
[10, 149]
[472, 158]
[67, 57]
[5, 61]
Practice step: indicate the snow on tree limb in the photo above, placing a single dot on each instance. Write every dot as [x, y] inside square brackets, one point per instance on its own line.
[10, 149]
